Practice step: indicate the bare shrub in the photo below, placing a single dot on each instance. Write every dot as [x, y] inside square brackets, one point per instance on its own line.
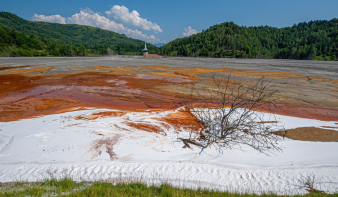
[230, 113]
[308, 182]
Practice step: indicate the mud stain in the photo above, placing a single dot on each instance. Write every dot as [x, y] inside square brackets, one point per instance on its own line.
[33, 107]
[31, 71]
[267, 122]
[146, 127]
[106, 144]
[7, 67]
[23, 96]
[182, 119]
[310, 134]
[109, 114]
[311, 112]
[100, 115]
[6, 147]
[101, 67]
[330, 127]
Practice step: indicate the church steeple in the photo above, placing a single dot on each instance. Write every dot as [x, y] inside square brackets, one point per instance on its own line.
[145, 47]
[145, 50]
[146, 55]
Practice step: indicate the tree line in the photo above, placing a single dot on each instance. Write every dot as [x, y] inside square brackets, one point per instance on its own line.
[15, 44]
[307, 40]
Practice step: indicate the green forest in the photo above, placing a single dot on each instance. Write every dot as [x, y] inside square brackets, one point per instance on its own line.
[307, 40]
[19, 37]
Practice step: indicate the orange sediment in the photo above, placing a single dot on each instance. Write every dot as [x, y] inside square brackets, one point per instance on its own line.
[182, 119]
[41, 70]
[27, 93]
[146, 127]
[109, 114]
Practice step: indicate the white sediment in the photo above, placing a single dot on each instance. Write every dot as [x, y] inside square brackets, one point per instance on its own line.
[108, 148]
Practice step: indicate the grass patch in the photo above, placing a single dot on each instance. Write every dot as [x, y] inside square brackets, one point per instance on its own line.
[326, 58]
[67, 187]
[51, 187]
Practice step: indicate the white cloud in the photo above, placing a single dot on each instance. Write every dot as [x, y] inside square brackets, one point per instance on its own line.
[122, 14]
[51, 18]
[88, 17]
[189, 31]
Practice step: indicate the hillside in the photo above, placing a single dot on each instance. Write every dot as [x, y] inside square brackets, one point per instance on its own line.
[312, 40]
[65, 33]
[54, 35]
[16, 44]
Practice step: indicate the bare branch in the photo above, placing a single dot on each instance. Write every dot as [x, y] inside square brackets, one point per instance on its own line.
[229, 113]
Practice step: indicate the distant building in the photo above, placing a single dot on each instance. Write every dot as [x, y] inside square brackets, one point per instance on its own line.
[145, 50]
[153, 56]
[146, 55]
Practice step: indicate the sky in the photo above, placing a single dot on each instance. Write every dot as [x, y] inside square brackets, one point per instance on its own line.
[163, 21]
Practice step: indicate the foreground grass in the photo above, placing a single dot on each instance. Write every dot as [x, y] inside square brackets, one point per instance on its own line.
[67, 187]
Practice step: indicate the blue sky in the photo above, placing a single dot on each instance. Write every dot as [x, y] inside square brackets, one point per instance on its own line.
[163, 21]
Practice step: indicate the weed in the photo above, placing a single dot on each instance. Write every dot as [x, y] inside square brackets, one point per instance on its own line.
[67, 187]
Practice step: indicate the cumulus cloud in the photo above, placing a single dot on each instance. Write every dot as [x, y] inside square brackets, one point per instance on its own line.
[51, 18]
[89, 17]
[189, 31]
[122, 14]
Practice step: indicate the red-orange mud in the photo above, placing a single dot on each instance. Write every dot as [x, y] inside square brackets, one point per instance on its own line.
[31, 71]
[109, 114]
[7, 67]
[146, 127]
[312, 112]
[182, 119]
[28, 96]
[30, 93]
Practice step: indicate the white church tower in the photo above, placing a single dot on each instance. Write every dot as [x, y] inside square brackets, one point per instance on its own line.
[145, 50]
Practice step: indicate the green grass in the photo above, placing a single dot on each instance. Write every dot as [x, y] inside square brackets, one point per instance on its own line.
[49, 187]
[67, 187]
[326, 58]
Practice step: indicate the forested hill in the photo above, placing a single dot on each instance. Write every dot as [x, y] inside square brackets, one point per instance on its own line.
[95, 40]
[307, 40]
[65, 33]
